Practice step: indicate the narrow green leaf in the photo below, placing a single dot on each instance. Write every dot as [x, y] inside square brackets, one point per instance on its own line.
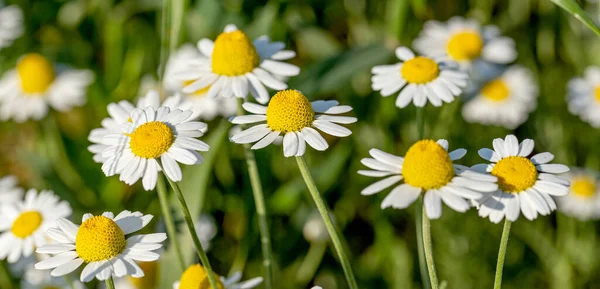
[574, 9]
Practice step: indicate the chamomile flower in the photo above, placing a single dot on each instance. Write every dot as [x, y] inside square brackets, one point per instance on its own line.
[27, 91]
[36, 279]
[104, 243]
[149, 281]
[155, 140]
[120, 113]
[11, 24]
[206, 107]
[419, 79]
[505, 101]
[23, 224]
[232, 65]
[9, 192]
[426, 169]
[196, 276]
[525, 184]
[291, 115]
[466, 42]
[583, 200]
[584, 96]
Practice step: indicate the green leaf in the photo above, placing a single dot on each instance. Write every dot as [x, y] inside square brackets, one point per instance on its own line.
[574, 9]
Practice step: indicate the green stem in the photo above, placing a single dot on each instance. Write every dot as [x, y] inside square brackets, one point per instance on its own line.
[190, 224]
[110, 284]
[164, 38]
[261, 210]
[429, 251]
[333, 233]
[6, 273]
[166, 211]
[177, 19]
[69, 281]
[502, 254]
[310, 264]
[421, 249]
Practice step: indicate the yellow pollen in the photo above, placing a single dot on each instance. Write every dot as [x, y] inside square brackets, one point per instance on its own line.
[465, 45]
[200, 92]
[289, 110]
[420, 70]
[515, 174]
[583, 187]
[427, 165]
[234, 54]
[597, 93]
[27, 223]
[196, 277]
[35, 73]
[99, 238]
[151, 140]
[150, 276]
[495, 90]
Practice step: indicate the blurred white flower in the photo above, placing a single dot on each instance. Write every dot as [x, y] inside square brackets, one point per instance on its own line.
[583, 200]
[196, 276]
[11, 24]
[36, 279]
[9, 192]
[206, 229]
[27, 91]
[466, 42]
[583, 96]
[419, 79]
[505, 101]
[314, 229]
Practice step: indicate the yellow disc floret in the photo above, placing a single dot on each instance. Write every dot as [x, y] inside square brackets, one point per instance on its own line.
[495, 90]
[597, 94]
[420, 70]
[35, 73]
[196, 277]
[289, 110]
[583, 187]
[151, 140]
[99, 238]
[515, 174]
[150, 276]
[26, 223]
[234, 54]
[427, 165]
[50, 287]
[465, 45]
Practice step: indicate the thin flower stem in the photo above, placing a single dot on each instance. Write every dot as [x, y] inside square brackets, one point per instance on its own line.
[171, 231]
[6, 272]
[333, 233]
[429, 252]
[164, 38]
[110, 284]
[502, 254]
[190, 224]
[261, 210]
[423, 268]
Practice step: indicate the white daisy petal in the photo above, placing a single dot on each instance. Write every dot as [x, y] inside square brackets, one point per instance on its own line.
[380, 185]
[401, 197]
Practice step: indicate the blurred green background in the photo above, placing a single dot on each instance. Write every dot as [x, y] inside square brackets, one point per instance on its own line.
[338, 41]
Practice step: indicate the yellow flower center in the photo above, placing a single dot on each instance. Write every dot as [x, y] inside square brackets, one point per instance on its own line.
[597, 93]
[583, 187]
[420, 70]
[427, 165]
[234, 54]
[26, 224]
[289, 110]
[150, 276]
[196, 277]
[465, 45]
[35, 73]
[515, 174]
[50, 287]
[200, 92]
[151, 140]
[99, 238]
[495, 90]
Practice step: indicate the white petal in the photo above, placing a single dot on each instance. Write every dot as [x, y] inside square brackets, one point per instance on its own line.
[433, 205]
[511, 145]
[290, 144]
[552, 168]
[401, 197]
[314, 139]
[331, 128]
[526, 147]
[542, 158]
[380, 185]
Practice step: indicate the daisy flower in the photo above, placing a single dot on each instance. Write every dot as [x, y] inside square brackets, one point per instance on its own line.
[291, 115]
[149, 281]
[206, 107]
[27, 91]
[418, 78]
[525, 184]
[583, 200]
[120, 113]
[426, 168]
[23, 224]
[505, 101]
[9, 192]
[101, 243]
[196, 276]
[36, 279]
[154, 140]
[583, 96]
[232, 65]
[466, 42]
[11, 24]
